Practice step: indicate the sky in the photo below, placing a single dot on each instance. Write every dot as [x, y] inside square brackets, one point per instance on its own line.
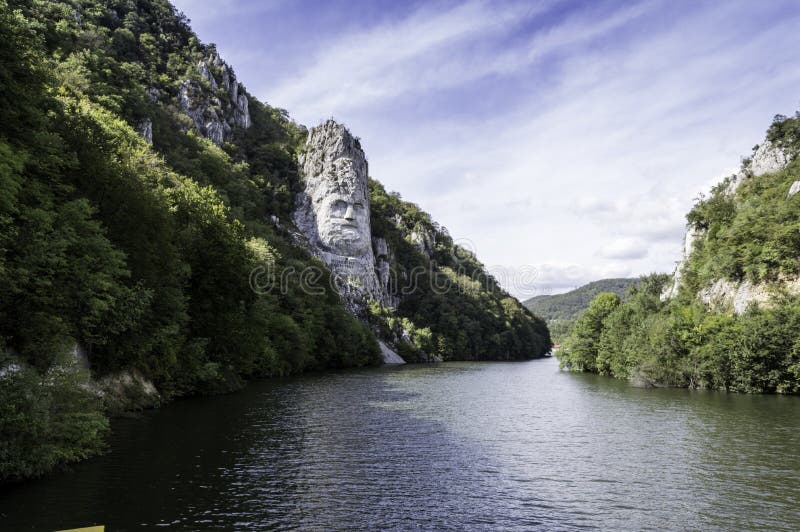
[561, 141]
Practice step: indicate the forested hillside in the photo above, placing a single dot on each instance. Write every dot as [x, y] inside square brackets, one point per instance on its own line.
[140, 186]
[730, 317]
[457, 311]
[568, 305]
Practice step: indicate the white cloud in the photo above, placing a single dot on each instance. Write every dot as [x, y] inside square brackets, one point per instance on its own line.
[375, 65]
[624, 248]
[611, 156]
[431, 50]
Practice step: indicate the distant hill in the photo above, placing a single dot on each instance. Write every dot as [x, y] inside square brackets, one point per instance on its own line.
[568, 305]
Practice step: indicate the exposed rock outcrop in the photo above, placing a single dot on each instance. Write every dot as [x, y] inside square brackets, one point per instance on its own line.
[9, 370]
[214, 118]
[423, 241]
[333, 214]
[767, 158]
[153, 94]
[389, 355]
[126, 391]
[671, 290]
[80, 358]
[123, 391]
[724, 294]
[383, 268]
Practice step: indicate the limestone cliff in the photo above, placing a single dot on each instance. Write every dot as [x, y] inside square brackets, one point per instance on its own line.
[671, 290]
[333, 214]
[736, 294]
[214, 100]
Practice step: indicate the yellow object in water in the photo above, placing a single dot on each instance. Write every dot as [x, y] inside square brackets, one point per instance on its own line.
[99, 528]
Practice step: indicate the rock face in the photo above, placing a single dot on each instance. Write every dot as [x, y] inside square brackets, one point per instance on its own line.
[423, 241]
[383, 268]
[671, 290]
[214, 118]
[123, 391]
[126, 391]
[389, 356]
[332, 212]
[766, 159]
[153, 94]
[727, 295]
[145, 129]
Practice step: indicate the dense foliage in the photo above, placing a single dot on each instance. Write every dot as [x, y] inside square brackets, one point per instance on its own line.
[142, 254]
[450, 308]
[677, 344]
[750, 234]
[561, 310]
[104, 244]
[583, 346]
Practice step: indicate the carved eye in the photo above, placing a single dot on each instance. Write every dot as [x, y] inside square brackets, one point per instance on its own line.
[358, 205]
[340, 204]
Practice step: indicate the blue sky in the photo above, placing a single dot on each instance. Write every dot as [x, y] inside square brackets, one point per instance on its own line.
[562, 141]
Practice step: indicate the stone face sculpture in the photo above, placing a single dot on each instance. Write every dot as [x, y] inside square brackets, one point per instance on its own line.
[340, 200]
[333, 210]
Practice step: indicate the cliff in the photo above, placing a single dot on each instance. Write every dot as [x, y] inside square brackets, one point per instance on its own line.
[333, 212]
[729, 215]
[727, 318]
[213, 99]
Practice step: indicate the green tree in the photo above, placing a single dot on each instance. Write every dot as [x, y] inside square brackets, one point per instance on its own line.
[581, 349]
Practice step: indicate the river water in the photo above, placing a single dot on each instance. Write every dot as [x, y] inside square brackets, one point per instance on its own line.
[458, 446]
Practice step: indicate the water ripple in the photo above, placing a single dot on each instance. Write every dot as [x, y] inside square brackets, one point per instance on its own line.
[448, 447]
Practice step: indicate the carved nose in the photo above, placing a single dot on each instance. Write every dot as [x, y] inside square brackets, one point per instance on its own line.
[349, 214]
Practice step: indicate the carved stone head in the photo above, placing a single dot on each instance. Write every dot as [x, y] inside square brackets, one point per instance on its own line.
[335, 174]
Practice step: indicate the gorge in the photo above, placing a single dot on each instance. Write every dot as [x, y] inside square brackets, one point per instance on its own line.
[143, 185]
[214, 317]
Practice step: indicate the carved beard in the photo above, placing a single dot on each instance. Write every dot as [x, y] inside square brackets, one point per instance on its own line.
[347, 241]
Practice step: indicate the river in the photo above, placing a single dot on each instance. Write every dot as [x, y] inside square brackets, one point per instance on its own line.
[461, 446]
